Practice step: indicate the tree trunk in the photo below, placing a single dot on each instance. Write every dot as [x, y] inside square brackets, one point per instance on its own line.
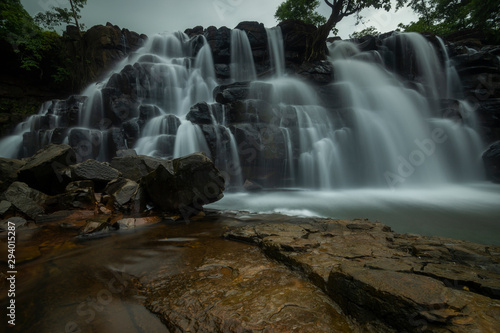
[75, 17]
[316, 48]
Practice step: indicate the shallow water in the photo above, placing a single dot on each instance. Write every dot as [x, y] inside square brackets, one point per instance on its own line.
[468, 212]
[70, 285]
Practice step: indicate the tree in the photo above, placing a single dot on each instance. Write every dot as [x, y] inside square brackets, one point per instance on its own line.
[371, 30]
[444, 17]
[316, 48]
[59, 15]
[304, 10]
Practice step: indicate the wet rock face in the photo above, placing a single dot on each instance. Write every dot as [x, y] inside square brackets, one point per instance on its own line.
[394, 282]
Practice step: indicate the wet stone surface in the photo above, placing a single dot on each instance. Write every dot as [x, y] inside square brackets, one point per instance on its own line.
[240, 272]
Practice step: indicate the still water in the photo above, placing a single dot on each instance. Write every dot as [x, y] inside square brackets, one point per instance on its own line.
[468, 212]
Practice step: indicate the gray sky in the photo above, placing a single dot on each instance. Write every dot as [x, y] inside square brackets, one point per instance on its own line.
[156, 16]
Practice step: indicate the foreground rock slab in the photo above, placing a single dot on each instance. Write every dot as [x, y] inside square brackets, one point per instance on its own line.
[233, 287]
[387, 281]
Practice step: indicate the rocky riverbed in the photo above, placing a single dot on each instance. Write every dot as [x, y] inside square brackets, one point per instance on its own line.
[241, 272]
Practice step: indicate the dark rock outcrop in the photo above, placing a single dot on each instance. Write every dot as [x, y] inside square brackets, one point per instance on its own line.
[192, 182]
[101, 46]
[42, 171]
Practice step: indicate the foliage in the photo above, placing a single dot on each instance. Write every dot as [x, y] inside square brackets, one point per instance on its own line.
[366, 31]
[301, 9]
[35, 50]
[304, 10]
[15, 22]
[59, 15]
[445, 17]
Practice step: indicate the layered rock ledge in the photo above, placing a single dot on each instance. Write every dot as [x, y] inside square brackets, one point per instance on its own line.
[323, 275]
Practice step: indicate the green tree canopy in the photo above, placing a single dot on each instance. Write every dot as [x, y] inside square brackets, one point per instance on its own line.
[60, 15]
[444, 17]
[15, 22]
[296, 9]
[304, 10]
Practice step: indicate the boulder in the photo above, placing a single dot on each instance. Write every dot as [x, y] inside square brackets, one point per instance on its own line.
[42, 171]
[194, 181]
[491, 159]
[200, 113]
[8, 171]
[99, 173]
[126, 195]
[138, 166]
[27, 200]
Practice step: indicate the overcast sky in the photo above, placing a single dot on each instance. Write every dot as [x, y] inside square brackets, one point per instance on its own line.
[156, 16]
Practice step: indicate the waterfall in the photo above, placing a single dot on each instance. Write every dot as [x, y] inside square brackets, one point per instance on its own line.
[242, 65]
[276, 50]
[393, 116]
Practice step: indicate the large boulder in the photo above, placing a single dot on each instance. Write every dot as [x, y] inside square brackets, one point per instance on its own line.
[491, 159]
[43, 170]
[136, 167]
[194, 181]
[26, 199]
[8, 171]
[98, 172]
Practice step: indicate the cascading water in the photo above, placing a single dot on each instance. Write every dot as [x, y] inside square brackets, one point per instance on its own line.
[242, 64]
[276, 50]
[386, 127]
